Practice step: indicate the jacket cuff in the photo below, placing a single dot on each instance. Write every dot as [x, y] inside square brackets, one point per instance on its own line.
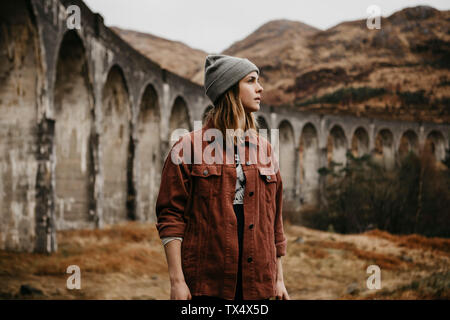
[281, 248]
[171, 230]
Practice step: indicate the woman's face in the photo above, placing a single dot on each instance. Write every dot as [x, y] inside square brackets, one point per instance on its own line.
[250, 92]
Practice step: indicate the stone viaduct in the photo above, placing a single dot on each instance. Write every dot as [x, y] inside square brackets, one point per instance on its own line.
[86, 124]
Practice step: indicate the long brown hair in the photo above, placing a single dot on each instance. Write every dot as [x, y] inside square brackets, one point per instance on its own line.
[228, 113]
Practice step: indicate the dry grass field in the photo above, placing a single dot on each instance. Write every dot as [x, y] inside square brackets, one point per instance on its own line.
[127, 261]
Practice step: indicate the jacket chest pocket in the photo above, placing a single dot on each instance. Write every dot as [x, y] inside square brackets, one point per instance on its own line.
[268, 183]
[268, 187]
[206, 179]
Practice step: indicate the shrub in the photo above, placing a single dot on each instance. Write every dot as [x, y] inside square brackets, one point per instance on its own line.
[413, 198]
[346, 96]
[414, 98]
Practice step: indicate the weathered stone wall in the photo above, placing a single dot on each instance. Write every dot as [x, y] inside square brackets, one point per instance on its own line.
[87, 121]
[73, 103]
[20, 76]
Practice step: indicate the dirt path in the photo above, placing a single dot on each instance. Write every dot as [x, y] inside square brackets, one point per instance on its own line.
[127, 261]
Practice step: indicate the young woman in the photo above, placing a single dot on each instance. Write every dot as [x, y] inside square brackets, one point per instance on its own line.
[221, 222]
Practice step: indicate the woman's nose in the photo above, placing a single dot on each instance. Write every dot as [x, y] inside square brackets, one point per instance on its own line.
[260, 88]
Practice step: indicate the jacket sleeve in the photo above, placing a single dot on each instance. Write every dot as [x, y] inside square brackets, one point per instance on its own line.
[280, 239]
[173, 196]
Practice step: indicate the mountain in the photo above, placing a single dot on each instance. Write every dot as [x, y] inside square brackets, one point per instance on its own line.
[174, 56]
[268, 43]
[398, 71]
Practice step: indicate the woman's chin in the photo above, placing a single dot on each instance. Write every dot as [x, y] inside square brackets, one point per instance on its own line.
[254, 107]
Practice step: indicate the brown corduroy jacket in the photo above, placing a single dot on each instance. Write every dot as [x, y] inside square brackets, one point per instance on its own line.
[195, 202]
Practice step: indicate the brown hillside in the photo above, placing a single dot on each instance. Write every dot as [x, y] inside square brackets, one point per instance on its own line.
[399, 71]
[174, 56]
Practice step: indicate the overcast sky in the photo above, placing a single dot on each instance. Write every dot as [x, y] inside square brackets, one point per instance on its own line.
[212, 25]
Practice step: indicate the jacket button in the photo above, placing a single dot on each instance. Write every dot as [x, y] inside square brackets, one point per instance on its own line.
[251, 193]
[250, 259]
[250, 226]
[205, 172]
[269, 177]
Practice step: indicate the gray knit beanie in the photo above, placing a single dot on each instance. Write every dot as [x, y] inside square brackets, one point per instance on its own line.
[222, 72]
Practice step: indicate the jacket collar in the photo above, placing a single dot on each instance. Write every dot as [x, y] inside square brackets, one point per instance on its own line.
[249, 138]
